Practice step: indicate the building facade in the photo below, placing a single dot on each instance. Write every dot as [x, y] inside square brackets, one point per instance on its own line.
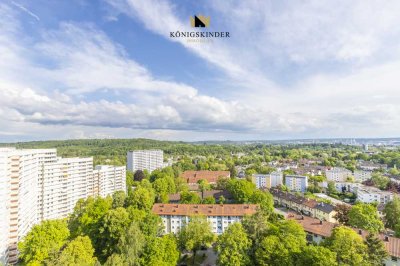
[296, 183]
[219, 216]
[337, 174]
[36, 185]
[362, 175]
[372, 194]
[108, 179]
[320, 210]
[273, 179]
[149, 160]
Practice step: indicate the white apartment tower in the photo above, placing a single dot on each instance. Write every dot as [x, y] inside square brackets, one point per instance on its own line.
[64, 182]
[37, 185]
[149, 160]
[296, 183]
[109, 179]
[19, 174]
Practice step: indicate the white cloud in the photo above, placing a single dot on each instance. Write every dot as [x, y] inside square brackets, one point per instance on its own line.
[82, 61]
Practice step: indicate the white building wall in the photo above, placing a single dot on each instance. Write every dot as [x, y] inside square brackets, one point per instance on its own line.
[374, 195]
[218, 224]
[276, 178]
[296, 183]
[145, 160]
[110, 179]
[4, 206]
[337, 174]
[362, 175]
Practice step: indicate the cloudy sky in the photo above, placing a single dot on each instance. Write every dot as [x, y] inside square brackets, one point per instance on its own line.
[109, 69]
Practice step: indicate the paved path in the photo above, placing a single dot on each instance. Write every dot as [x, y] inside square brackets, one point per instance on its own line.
[211, 258]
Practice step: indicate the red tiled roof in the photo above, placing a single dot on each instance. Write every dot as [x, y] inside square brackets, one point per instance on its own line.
[205, 209]
[210, 176]
[324, 228]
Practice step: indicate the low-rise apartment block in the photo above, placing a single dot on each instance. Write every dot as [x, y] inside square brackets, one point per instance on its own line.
[273, 179]
[296, 183]
[337, 174]
[309, 207]
[372, 194]
[176, 216]
[362, 175]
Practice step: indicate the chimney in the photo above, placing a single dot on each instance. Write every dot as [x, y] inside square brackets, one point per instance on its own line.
[302, 217]
[386, 238]
[320, 221]
[359, 231]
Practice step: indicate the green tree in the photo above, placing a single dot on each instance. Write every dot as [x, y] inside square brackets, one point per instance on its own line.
[242, 190]
[221, 199]
[331, 190]
[162, 187]
[272, 252]
[283, 242]
[43, 241]
[316, 256]
[118, 199]
[196, 234]
[264, 199]
[208, 200]
[141, 198]
[112, 226]
[365, 216]
[87, 215]
[348, 246]
[78, 252]
[380, 180]
[233, 246]
[161, 251]
[190, 198]
[129, 179]
[131, 245]
[203, 186]
[392, 214]
[376, 250]
[115, 260]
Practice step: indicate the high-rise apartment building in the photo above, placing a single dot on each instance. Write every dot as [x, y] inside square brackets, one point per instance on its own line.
[37, 185]
[19, 175]
[109, 179]
[149, 160]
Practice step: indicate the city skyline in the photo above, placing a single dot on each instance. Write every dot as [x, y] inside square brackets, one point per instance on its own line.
[109, 69]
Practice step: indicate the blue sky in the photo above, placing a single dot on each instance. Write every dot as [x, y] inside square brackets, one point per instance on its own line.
[109, 69]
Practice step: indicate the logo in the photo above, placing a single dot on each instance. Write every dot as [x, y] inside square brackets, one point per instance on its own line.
[199, 21]
[200, 35]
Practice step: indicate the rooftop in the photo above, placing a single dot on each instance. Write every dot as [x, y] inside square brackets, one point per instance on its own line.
[324, 228]
[210, 176]
[205, 209]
